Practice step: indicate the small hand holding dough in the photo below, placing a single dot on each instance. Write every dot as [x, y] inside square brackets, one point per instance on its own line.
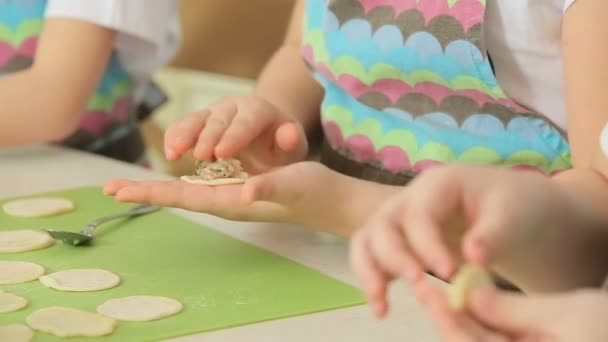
[38, 207]
[140, 308]
[468, 278]
[10, 303]
[81, 280]
[16, 333]
[68, 322]
[18, 272]
[17, 241]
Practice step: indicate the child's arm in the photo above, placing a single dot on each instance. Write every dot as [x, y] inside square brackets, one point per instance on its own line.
[264, 130]
[44, 102]
[276, 83]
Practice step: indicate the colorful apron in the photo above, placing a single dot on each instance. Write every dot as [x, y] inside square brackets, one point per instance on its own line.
[408, 85]
[107, 126]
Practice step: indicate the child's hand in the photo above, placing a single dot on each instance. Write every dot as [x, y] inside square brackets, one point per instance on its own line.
[305, 193]
[480, 211]
[248, 128]
[496, 316]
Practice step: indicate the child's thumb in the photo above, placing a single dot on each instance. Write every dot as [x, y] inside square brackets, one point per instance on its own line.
[512, 313]
[487, 238]
[274, 186]
[290, 138]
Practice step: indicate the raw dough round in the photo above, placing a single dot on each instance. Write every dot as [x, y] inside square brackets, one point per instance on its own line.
[10, 302]
[469, 277]
[140, 308]
[18, 272]
[16, 241]
[68, 322]
[16, 333]
[215, 182]
[81, 280]
[38, 207]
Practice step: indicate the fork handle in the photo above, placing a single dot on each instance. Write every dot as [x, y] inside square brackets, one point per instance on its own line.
[135, 211]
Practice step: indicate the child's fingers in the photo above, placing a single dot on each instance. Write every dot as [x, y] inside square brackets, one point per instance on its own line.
[514, 313]
[179, 194]
[182, 135]
[387, 243]
[249, 123]
[425, 238]
[452, 325]
[112, 187]
[369, 274]
[219, 120]
[288, 137]
[493, 230]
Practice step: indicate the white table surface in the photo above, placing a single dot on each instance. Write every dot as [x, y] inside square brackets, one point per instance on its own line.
[37, 169]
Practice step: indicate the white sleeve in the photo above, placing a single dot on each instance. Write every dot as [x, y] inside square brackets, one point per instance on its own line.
[567, 4]
[604, 140]
[148, 30]
[145, 20]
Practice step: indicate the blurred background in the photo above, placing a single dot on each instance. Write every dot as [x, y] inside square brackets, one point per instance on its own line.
[225, 44]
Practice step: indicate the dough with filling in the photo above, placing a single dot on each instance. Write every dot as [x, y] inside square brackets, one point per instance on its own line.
[10, 302]
[18, 272]
[81, 280]
[469, 277]
[16, 333]
[140, 308]
[219, 172]
[38, 207]
[17, 241]
[68, 322]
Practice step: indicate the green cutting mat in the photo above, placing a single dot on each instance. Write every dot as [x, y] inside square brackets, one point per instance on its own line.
[221, 281]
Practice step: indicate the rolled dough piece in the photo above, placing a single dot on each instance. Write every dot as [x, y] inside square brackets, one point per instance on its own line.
[140, 308]
[215, 182]
[10, 302]
[18, 272]
[469, 277]
[68, 322]
[16, 241]
[81, 280]
[38, 207]
[16, 333]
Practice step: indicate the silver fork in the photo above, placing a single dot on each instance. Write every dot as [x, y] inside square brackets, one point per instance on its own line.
[86, 235]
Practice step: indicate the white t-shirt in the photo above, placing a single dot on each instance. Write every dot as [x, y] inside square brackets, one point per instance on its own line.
[523, 38]
[604, 140]
[148, 30]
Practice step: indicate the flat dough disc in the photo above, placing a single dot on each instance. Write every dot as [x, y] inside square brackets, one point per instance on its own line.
[81, 280]
[18, 272]
[10, 302]
[469, 277]
[16, 333]
[38, 207]
[16, 241]
[68, 322]
[140, 308]
[216, 182]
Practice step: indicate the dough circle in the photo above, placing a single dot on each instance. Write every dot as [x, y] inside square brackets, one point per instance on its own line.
[17, 241]
[68, 322]
[469, 277]
[140, 308]
[19, 272]
[38, 207]
[10, 303]
[215, 182]
[16, 333]
[81, 280]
